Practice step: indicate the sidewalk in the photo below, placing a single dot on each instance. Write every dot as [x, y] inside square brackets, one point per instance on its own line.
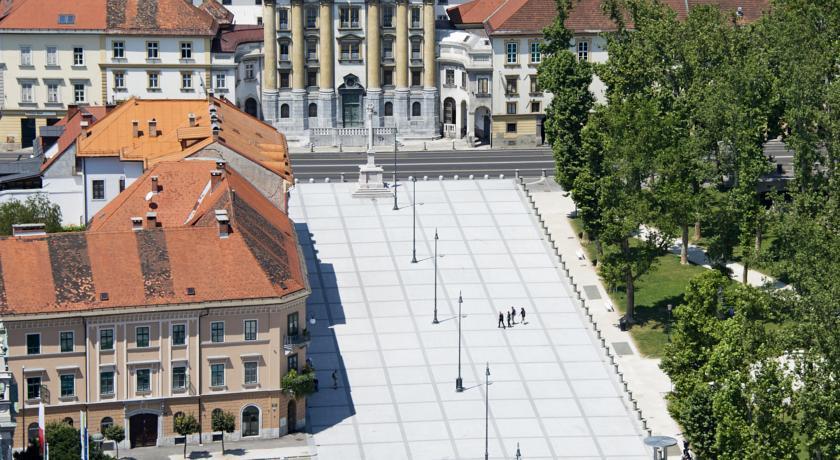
[645, 381]
[442, 145]
[291, 447]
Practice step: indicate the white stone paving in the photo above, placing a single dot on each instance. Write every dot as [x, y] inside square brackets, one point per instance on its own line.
[551, 391]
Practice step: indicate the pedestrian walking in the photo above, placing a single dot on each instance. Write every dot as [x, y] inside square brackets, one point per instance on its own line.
[522, 313]
[513, 314]
[335, 379]
[501, 320]
[508, 320]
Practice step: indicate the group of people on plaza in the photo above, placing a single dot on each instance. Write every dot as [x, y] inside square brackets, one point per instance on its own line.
[511, 317]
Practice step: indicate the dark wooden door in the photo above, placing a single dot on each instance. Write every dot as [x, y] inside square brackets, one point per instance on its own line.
[292, 416]
[143, 430]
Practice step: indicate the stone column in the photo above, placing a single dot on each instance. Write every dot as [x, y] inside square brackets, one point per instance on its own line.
[269, 78]
[374, 62]
[401, 93]
[326, 59]
[429, 43]
[298, 117]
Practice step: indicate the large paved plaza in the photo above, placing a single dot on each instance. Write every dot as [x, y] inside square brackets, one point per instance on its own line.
[551, 391]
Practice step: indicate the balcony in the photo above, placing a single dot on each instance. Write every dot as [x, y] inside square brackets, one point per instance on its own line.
[294, 342]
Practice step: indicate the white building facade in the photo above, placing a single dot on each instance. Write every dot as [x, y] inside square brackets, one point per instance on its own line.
[466, 73]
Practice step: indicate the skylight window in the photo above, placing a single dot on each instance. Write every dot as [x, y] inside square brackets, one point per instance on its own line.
[66, 18]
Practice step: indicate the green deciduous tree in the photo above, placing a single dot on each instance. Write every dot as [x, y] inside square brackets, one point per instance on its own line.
[35, 209]
[115, 433]
[185, 425]
[223, 422]
[296, 385]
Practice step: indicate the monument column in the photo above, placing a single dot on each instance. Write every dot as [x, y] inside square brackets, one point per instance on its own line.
[269, 77]
[401, 92]
[326, 59]
[374, 63]
[298, 115]
[430, 73]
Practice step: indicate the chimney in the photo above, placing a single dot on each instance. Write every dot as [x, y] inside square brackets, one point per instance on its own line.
[155, 185]
[215, 179]
[224, 223]
[153, 132]
[87, 117]
[191, 117]
[216, 130]
[135, 128]
[29, 229]
[136, 223]
[220, 165]
[151, 220]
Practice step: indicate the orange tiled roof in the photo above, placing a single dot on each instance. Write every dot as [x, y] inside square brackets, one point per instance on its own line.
[156, 266]
[222, 15]
[72, 123]
[251, 138]
[44, 14]
[164, 17]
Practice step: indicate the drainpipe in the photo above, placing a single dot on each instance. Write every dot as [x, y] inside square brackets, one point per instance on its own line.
[198, 390]
[87, 375]
[84, 183]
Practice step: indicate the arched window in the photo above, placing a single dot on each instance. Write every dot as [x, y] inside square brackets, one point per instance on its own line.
[67, 421]
[389, 109]
[313, 110]
[449, 111]
[251, 106]
[284, 111]
[251, 421]
[105, 423]
[415, 109]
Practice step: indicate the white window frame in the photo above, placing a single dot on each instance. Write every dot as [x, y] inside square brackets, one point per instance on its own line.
[72, 341]
[186, 51]
[136, 328]
[118, 49]
[245, 373]
[26, 56]
[53, 93]
[187, 81]
[113, 381]
[249, 71]
[211, 331]
[535, 52]
[27, 92]
[52, 56]
[152, 50]
[224, 376]
[582, 50]
[186, 377]
[113, 338]
[155, 80]
[220, 81]
[61, 386]
[79, 88]
[137, 380]
[511, 52]
[78, 56]
[119, 80]
[245, 330]
[172, 334]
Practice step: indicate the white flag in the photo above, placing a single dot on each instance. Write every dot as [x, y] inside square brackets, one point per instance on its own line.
[42, 437]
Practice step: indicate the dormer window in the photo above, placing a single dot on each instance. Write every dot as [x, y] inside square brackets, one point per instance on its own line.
[66, 19]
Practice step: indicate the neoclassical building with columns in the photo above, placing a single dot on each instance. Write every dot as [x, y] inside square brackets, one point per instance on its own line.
[338, 61]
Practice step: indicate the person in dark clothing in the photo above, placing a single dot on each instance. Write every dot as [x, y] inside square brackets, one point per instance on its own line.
[501, 320]
[522, 313]
[508, 320]
[513, 314]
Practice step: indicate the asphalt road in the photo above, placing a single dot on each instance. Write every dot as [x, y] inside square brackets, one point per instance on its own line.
[530, 163]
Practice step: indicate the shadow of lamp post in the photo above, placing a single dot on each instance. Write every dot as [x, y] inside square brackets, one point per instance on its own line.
[459, 383]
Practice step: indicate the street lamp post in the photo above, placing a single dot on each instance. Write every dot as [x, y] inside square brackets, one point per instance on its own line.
[435, 321]
[487, 412]
[459, 383]
[396, 208]
[413, 220]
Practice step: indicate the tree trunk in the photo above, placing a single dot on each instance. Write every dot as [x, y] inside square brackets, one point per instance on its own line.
[117, 446]
[630, 290]
[758, 237]
[684, 250]
[697, 231]
[185, 447]
[599, 248]
[746, 271]
[223, 443]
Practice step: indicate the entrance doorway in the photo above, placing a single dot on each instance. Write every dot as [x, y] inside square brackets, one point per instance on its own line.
[482, 124]
[251, 107]
[250, 421]
[351, 93]
[143, 430]
[27, 132]
[292, 416]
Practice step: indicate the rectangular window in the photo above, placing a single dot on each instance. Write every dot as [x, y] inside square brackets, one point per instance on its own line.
[387, 16]
[217, 331]
[65, 340]
[78, 56]
[283, 52]
[144, 380]
[535, 106]
[33, 387]
[186, 80]
[186, 50]
[179, 378]
[416, 78]
[292, 362]
[26, 55]
[284, 79]
[416, 52]
[152, 50]
[33, 344]
[79, 93]
[312, 78]
[217, 375]
[311, 18]
[52, 93]
[106, 382]
[52, 56]
[251, 373]
[179, 334]
[26, 93]
[250, 329]
[535, 85]
[388, 77]
[415, 18]
[66, 19]
[141, 338]
[311, 50]
[106, 339]
[348, 18]
[98, 189]
[153, 80]
[511, 108]
[283, 19]
[118, 50]
[292, 324]
[122, 184]
[583, 51]
[511, 85]
[463, 79]
[450, 77]
[350, 51]
[510, 128]
[68, 385]
[119, 80]
[536, 55]
[483, 84]
[388, 48]
[511, 48]
[249, 71]
[221, 81]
